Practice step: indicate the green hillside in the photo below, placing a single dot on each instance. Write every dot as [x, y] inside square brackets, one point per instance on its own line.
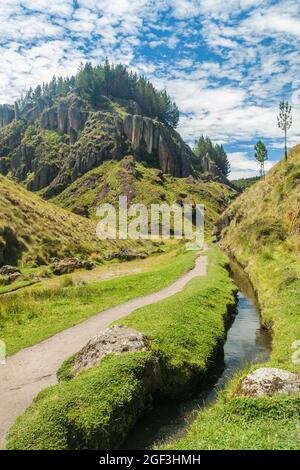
[34, 231]
[142, 185]
[264, 235]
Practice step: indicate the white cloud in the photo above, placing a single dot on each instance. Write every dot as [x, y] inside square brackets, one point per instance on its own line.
[244, 167]
[229, 62]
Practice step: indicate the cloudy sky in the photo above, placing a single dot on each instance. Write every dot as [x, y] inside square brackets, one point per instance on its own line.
[226, 63]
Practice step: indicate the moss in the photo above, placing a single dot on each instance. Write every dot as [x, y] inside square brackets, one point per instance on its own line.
[92, 411]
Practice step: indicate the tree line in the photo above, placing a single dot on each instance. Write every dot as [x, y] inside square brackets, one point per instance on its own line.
[115, 81]
[216, 152]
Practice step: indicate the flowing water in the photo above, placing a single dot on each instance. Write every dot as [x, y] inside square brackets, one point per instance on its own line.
[247, 342]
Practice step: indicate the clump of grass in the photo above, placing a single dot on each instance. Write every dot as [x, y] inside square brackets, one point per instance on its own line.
[92, 411]
[245, 424]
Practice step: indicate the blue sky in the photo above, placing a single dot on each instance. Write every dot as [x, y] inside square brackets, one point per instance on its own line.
[226, 63]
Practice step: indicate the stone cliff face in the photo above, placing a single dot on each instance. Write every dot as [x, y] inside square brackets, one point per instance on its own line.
[84, 139]
[154, 138]
[106, 136]
[7, 114]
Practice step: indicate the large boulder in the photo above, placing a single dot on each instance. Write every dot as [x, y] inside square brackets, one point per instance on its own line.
[116, 339]
[9, 270]
[269, 381]
[68, 265]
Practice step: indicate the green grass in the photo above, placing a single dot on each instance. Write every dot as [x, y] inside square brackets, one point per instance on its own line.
[34, 314]
[186, 328]
[245, 423]
[94, 410]
[106, 182]
[17, 285]
[264, 236]
[29, 232]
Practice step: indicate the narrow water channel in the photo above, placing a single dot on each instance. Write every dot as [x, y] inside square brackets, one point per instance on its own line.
[247, 342]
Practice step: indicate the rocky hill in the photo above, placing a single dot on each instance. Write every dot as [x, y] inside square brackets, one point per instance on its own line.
[107, 182]
[54, 146]
[50, 147]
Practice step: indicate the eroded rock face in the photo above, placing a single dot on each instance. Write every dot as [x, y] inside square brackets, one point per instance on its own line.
[43, 177]
[165, 144]
[67, 117]
[269, 381]
[7, 114]
[94, 136]
[116, 339]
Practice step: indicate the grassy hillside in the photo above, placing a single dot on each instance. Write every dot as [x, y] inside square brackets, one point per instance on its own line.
[262, 230]
[264, 235]
[33, 231]
[142, 185]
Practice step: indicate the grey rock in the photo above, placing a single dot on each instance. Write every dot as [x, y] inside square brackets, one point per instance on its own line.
[14, 277]
[269, 381]
[117, 339]
[7, 114]
[8, 270]
[128, 163]
[43, 177]
[68, 265]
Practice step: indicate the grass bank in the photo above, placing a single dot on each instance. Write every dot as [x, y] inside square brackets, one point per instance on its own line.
[263, 234]
[244, 423]
[31, 315]
[94, 410]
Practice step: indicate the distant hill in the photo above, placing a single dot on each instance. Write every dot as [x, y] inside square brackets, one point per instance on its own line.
[243, 183]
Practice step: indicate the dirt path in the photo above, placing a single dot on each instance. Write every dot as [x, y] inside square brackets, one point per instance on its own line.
[32, 369]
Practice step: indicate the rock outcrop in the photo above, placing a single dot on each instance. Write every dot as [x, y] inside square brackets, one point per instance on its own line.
[85, 138]
[8, 270]
[269, 381]
[7, 114]
[68, 265]
[67, 117]
[107, 136]
[116, 339]
[154, 138]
